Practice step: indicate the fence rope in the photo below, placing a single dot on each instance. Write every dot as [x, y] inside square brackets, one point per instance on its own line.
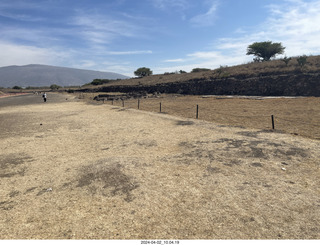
[292, 121]
[202, 111]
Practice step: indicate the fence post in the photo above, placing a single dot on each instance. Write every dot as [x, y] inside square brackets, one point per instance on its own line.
[138, 104]
[122, 103]
[197, 114]
[112, 101]
[272, 121]
[160, 106]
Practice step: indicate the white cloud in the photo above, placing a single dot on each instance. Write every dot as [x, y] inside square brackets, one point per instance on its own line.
[99, 29]
[205, 55]
[210, 59]
[38, 37]
[19, 17]
[208, 18]
[18, 10]
[200, 63]
[178, 7]
[175, 60]
[169, 4]
[101, 64]
[8, 5]
[295, 24]
[134, 52]
[23, 55]
[121, 69]
[86, 64]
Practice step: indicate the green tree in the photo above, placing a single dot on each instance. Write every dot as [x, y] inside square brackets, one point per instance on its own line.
[265, 50]
[54, 87]
[100, 81]
[143, 71]
[16, 87]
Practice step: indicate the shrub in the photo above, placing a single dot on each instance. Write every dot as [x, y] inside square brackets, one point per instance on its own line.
[200, 69]
[16, 87]
[286, 60]
[302, 60]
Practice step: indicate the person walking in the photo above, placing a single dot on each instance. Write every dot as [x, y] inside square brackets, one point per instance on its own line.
[44, 96]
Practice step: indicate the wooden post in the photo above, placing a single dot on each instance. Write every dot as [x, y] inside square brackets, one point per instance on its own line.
[197, 114]
[272, 120]
[122, 103]
[160, 106]
[112, 101]
[138, 104]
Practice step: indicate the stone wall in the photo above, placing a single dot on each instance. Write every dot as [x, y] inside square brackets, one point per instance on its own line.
[295, 84]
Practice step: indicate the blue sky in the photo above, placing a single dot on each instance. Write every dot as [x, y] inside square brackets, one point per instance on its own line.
[166, 36]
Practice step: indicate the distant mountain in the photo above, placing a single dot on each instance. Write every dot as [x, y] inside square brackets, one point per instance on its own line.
[44, 75]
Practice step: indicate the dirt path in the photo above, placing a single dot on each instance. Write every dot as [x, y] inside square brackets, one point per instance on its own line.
[31, 99]
[77, 171]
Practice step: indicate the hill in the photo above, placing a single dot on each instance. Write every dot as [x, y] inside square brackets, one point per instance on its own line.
[44, 75]
[271, 78]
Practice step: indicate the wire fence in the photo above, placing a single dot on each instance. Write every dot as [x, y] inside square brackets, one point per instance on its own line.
[297, 125]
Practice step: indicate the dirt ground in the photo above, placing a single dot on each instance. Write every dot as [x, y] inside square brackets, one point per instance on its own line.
[73, 170]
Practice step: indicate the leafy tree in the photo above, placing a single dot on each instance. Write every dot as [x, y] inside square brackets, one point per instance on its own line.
[16, 87]
[302, 60]
[181, 71]
[143, 71]
[265, 50]
[54, 87]
[100, 81]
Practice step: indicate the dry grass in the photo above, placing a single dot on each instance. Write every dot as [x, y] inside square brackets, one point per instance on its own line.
[298, 116]
[250, 69]
[82, 171]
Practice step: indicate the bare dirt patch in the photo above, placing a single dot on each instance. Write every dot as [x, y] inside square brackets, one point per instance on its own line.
[107, 179]
[107, 172]
[10, 164]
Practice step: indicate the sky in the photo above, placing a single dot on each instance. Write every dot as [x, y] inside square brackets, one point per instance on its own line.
[164, 35]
